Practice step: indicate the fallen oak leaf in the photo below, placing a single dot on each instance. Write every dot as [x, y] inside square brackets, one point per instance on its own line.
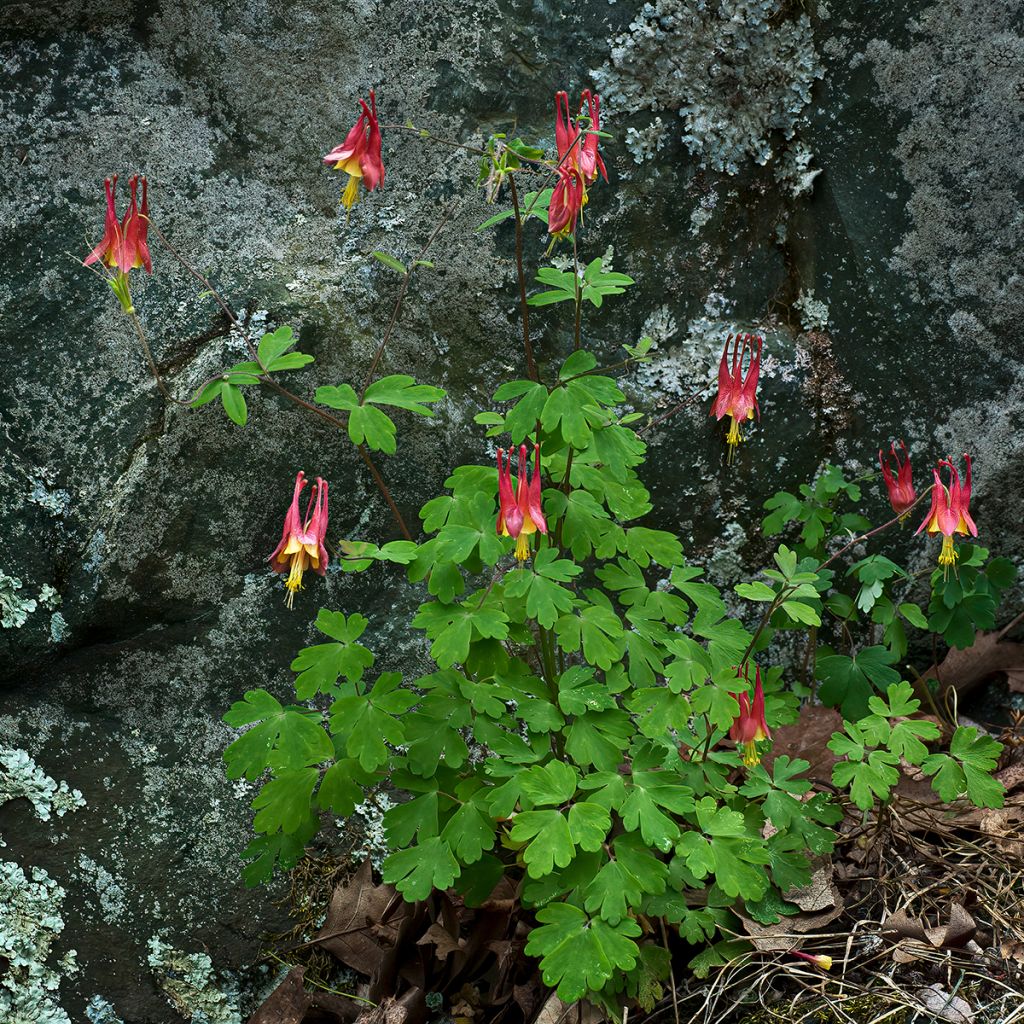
[964, 670]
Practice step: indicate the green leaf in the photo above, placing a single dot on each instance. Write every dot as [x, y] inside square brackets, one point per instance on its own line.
[279, 849]
[551, 784]
[549, 842]
[283, 804]
[275, 344]
[416, 872]
[847, 683]
[645, 546]
[755, 591]
[579, 954]
[469, 832]
[286, 737]
[341, 789]
[209, 393]
[234, 403]
[290, 361]
[320, 666]
[579, 692]
[913, 615]
[801, 612]
[589, 823]
[402, 391]
[967, 769]
[867, 779]
[389, 261]
[598, 738]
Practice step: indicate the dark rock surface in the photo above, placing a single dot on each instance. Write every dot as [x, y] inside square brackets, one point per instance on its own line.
[153, 523]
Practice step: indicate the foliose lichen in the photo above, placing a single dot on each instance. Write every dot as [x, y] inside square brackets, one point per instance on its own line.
[99, 1011]
[30, 921]
[21, 777]
[192, 985]
[737, 71]
[15, 608]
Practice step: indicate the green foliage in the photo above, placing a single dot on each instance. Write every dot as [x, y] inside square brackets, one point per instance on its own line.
[592, 285]
[366, 423]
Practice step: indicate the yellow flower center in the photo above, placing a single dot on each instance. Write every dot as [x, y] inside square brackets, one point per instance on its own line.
[294, 581]
[750, 754]
[948, 556]
[351, 194]
[733, 438]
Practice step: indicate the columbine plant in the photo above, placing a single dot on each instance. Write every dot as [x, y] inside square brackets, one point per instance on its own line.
[580, 732]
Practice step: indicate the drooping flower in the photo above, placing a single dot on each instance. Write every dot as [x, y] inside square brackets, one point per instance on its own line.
[749, 728]
[359, 156]
[302, 539]
[124, 245]
[822, 960]
[510, 519]
[737, 395]
[901, 489]
[950, 512]
[578, 161]
[566, 203]
[521, 515]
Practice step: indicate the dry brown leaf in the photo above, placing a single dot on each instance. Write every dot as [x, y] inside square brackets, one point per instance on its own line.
[915, 939]
[387, 1011]
[1012, 949]
[442, 940]
[808, 738]
[355, 930]
[287, 1004]
[820, 903]
[964, 670]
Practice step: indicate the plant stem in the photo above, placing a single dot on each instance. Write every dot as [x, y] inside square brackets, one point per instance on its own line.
[579, 295]
[273, 385]
[141, 334]
[531, 365]
[396, 311]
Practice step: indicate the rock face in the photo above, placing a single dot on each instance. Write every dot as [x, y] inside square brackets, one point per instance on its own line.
[846, 183]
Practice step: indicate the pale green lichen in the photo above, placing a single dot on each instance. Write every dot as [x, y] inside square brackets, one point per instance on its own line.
[14, 607]
[30, 921]
[734, 71]
[21, 777]
[813, 312]
[99, 1011]
[192, 985]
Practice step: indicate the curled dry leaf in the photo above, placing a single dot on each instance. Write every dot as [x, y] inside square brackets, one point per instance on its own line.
[944, 1005]
[808, 738]
[913, 937]
[964, 670]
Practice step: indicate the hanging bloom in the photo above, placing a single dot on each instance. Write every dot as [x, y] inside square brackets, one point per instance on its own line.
[901, 489]
[750, 726]
[572, 150]
[578, 162]
[359, 156]
[737, 396]
[522, 515]
[510, 519]
[950, 513]
[822, 960]
[124, 245]
[302, 540]
[566, 203]
[590, 161]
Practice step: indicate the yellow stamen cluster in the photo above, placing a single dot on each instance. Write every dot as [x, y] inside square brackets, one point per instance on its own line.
[751, 757]
[351, 194]
[300, 562]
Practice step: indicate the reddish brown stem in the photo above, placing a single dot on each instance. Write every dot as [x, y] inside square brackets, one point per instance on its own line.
[531, 365]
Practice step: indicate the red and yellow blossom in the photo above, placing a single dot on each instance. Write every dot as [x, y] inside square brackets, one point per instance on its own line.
[750, 727]
[950, 513]
[302, 539]
[901, 488]
[822, 960]
[566, 203]
[578, 162]
[519, 512]
[737, 395]
[359, 156]
[124, 246]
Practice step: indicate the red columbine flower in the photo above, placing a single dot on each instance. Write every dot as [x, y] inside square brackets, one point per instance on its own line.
[578, 162]
[566, 203]
[124, 246]
[901, 489]
[822, 960]
[750, 726]
[520, 516]
[302, 541]
[359, 155]
[737, 397]
[949, 513]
